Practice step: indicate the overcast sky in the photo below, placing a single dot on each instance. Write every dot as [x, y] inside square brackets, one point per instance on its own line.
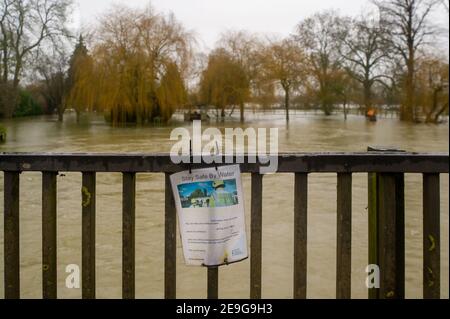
[209, 18]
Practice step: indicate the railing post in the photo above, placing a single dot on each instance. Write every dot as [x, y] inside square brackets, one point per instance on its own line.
[213, 282]
[128, 235]
[256, 236]
[387, 236]
[300, 235]
[431, 237]
[387, 231]
[49, 274]
[400, 233]
[170, 243]
[88, 236]
[344, 236]
[373, 226]
[11, 235]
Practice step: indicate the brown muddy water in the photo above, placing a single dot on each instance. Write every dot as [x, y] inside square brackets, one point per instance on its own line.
[306, 133]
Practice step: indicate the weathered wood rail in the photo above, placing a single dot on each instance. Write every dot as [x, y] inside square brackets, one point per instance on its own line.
[386, 217]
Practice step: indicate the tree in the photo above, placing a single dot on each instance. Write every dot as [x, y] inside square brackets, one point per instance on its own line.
[366, 49]
[410, 29]
[197, 65]
[135, 54]
[24, 26]
[51, 70]
[79, 94]
[432, 87]
[388, 91]
[171, 92]
[27, 105]
[244, 49]
[345, 88]
[319, 36]
[224, 82]
[284, 63]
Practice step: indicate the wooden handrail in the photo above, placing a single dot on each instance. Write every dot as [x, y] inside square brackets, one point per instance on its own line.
[386, 216]
[379, 162]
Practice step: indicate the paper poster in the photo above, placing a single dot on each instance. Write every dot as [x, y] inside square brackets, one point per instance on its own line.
[210, 208]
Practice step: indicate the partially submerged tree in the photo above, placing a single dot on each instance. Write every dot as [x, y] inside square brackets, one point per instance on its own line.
[284, 64]
[25, 25]
[136, 55]
[49, 76]
[319, 36]
[432, 87]
[80, 94]
[345, 88]
[224, 82]
[410, 29]
[366, 49]
[170, 93]
[52, 85]
[244, 48]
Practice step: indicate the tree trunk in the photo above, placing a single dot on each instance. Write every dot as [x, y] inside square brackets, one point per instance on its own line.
[8, 99]
[242, 112]
[287, 102]
[345, 109]
[138, 117]
[407, 111]
[326, 107]
[222, 113]
[324, 98]
[438, 114]
[434, 106]
[60, 108]
[367, 96]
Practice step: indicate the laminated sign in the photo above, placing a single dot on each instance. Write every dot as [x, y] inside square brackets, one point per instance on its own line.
[210, 209]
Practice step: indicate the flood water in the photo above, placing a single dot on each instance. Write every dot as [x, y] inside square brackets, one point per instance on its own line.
[306, 133]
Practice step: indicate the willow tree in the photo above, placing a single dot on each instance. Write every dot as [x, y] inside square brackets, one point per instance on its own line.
[432, 87]
[170, 93]
[224, 83]
[244, 49]
[284, 63]
[138, 64]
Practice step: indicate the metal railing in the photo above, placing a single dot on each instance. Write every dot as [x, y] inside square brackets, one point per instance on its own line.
[386, 216]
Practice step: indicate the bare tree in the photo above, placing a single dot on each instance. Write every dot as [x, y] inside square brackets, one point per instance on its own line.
[51, 69]
[319, 36]
[408, 22]
[4, 38]
[284, 63]
[366, 48]
[25, 25]
[5, 55]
